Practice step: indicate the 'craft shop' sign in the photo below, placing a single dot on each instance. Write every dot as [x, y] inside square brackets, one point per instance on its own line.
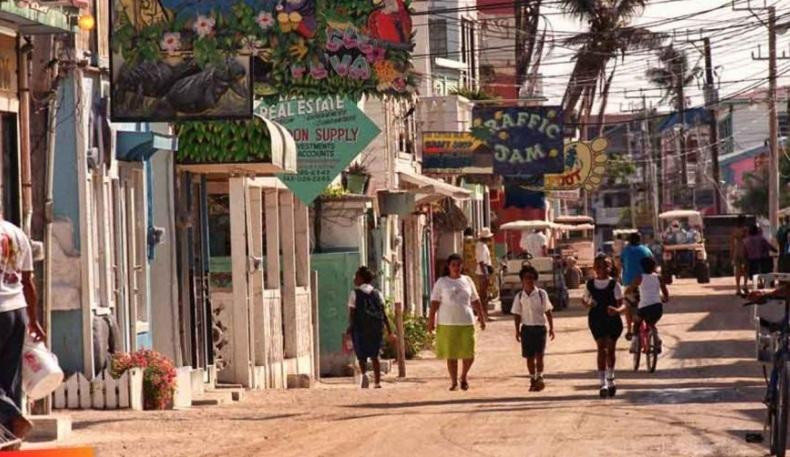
[585, 168]
[329, 132]
[455, 153]
[526, 141]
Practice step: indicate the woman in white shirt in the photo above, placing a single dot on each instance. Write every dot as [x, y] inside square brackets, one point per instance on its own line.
[454, 300]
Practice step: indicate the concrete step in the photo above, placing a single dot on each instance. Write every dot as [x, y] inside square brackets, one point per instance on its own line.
[49, 428]
[213, 398]
[236, 393]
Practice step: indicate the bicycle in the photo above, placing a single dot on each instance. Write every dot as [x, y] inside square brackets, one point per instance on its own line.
[777, 396]
[647, 342]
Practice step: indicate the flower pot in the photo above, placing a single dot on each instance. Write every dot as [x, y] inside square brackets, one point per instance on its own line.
[357, 183]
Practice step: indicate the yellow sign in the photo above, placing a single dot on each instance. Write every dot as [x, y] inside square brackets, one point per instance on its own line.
[585, 167]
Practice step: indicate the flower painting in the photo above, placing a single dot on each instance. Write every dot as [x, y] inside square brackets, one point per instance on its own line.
[206, 59]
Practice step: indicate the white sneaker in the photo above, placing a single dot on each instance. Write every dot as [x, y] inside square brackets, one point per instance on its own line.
[365, 381]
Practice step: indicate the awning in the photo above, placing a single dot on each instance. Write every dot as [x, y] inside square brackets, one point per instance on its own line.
[282, 159]
[430, 189]
[137, 142]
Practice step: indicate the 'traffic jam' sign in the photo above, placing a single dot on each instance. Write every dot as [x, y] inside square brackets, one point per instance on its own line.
[329, 132]
[526, 141]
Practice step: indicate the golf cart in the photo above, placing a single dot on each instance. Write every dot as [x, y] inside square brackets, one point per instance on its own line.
[683, 246]
[550, 269]
[578, 241]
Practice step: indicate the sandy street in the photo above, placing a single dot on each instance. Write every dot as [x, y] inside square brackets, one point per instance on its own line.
[703, 398]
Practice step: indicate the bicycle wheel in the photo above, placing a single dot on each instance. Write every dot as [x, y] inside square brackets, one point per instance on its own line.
[637, 349]
[651, 358]
[781, 404]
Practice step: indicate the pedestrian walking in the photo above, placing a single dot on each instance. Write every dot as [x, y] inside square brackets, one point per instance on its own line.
[738, 255]
[367, 320]
[653, 294]
[603, 296]
[536, 243]
[758, 252]
[783, 240]
[454, 300]
[632, 268]
[18, 319]
[485, 268]
[532, 315]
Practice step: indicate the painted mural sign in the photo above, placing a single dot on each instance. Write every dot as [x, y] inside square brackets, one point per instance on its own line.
[329, 133]
[585, 168]
[187, 59]
[455, 153]
[526, 141]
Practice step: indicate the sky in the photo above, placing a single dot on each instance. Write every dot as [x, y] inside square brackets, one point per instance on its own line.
[734, 36]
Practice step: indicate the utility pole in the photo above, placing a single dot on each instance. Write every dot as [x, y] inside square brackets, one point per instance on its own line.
[773, 122]
[712, 100]
[647, 151]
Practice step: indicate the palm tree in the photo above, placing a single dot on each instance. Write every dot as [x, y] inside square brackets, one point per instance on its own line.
[672, 75]
[609, 35]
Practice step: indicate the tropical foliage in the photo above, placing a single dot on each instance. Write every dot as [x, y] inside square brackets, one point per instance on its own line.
[754, 198]
[673, 74]
[609, 35]
[223, 142]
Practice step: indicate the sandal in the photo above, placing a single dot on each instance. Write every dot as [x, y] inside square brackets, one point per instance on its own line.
[453, 387]
[464, 385]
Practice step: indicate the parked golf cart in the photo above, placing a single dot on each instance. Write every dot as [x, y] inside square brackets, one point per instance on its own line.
[683, 255]
[577, 240]
[550, 269]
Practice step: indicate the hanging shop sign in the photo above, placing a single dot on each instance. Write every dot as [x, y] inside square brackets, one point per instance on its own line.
[329, 133]
[585, 168]
[525, 141]
[184, 59]
[455, 153]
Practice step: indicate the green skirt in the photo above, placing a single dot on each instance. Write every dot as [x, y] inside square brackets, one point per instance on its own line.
[455, 342]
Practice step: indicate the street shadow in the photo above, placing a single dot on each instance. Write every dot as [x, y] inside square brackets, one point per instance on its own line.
[724, 320]
[747, 387]
[739, 369]
[731, 348]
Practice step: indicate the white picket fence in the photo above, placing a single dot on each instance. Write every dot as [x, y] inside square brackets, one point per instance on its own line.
[103, 392]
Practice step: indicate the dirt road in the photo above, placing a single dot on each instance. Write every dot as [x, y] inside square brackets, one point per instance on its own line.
[703, 398]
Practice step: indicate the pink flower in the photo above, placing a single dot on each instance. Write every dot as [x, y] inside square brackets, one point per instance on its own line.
[171, 42]
[365, 47]
[204, 25]
[399, 84]
[359, 73]
[297, 71]
[376, 54]
[318, 71]
[349, 39]
[265, 20]
[333, 43]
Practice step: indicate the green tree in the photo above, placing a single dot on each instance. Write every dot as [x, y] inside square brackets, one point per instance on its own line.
[609, 35]
[673, 74]
[754, 199]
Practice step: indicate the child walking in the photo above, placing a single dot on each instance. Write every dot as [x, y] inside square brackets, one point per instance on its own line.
[603, 296]
[532, 314]
[367, 319]
[653, 294]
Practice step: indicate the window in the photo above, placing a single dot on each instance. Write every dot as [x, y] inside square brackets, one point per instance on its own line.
[784, 125]
[437, 33]
[468, 50]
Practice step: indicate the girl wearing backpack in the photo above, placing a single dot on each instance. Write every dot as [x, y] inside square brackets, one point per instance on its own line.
[367, 320]
[603, 296]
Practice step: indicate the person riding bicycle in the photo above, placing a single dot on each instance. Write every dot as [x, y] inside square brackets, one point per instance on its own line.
[632, 268]
[652, 294]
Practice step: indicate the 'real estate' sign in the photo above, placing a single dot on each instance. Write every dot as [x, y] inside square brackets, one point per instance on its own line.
[455, 153]
[526, 141]
[329, 132]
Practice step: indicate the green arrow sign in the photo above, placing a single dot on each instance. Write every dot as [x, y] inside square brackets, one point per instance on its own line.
[329, 133]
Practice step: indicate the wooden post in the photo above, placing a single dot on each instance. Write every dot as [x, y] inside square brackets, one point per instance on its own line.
[401, 340]
[316, 334]
[287, 245]
[239, 324]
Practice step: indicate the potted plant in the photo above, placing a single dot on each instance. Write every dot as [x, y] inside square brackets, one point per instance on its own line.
[357, 178]
[159, 376]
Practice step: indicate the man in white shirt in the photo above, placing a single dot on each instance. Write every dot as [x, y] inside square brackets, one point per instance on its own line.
[484, 268]
[18, 318]
[536, 243]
